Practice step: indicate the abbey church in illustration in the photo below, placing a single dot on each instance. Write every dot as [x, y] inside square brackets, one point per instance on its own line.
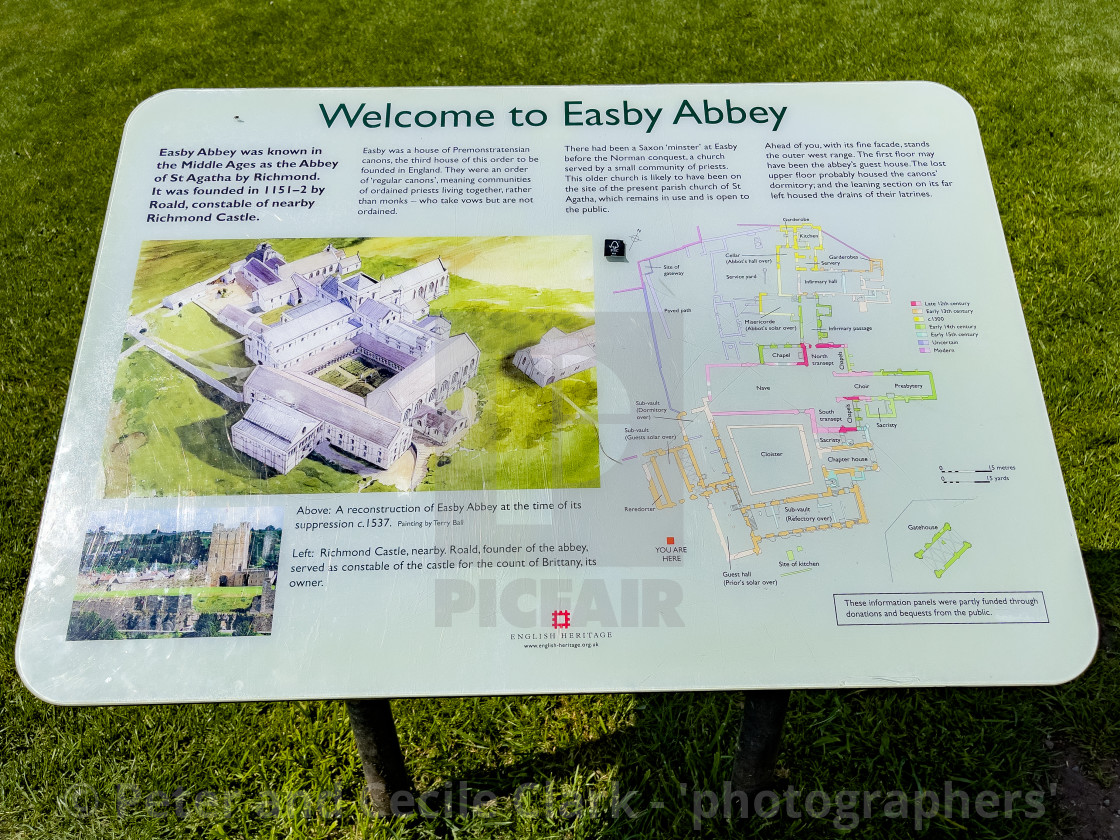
[339, 313]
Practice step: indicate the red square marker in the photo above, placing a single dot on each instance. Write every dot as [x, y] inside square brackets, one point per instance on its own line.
[670, 540]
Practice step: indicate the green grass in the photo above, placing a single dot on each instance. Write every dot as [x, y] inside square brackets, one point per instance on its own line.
[231, 355]
[205, 598]
[335, 377]
[355, 367]
[527, 436]
[377, 265]
[273, 316]
[361, 389]
[181, 436]
[1044, 80]
[192, 333]
[192, 328]
[169, 266]
[532, 262]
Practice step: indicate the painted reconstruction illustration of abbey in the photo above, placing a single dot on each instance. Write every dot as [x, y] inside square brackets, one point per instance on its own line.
[320, 366]
[557, 355]
[339, 313]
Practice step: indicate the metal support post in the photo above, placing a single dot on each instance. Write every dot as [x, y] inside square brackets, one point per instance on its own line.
[760, 736]
[375, 733]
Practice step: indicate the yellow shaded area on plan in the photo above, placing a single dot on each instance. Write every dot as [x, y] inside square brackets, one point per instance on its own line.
[839, 505]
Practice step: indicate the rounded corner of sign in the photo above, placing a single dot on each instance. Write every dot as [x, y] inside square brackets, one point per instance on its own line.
[149, 103]
[955, 96]
[28, 678]
[1082, 657]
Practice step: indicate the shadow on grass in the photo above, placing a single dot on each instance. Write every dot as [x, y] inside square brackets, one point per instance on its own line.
[210, 441]
[457, 793]
[674, 739]
[1086, 711]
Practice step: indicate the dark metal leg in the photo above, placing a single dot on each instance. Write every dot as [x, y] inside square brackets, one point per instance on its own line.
[760, 736]
[380, 749]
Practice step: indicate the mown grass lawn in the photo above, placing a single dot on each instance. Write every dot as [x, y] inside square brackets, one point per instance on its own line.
[1044, 79]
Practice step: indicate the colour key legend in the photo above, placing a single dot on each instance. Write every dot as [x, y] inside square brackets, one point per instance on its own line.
[918, 310]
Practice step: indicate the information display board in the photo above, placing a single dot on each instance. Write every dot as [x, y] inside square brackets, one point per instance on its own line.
[529, 390]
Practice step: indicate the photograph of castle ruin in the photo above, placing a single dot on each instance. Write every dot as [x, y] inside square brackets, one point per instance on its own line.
[310, 366]
[144, 576]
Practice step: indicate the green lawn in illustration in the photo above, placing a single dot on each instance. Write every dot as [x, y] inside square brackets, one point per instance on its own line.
[528, 436]
[193, 333]
[191, 328]
[228, 355]
[377, 265]
[532, 262]
[170, 266]
[335, 377]
[181, 441]
[274, 316]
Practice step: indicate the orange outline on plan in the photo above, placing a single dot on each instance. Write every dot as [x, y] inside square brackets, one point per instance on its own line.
[662, 499]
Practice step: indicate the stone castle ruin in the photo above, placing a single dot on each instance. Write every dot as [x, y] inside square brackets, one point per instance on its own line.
[227, 564]
[165, 611]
